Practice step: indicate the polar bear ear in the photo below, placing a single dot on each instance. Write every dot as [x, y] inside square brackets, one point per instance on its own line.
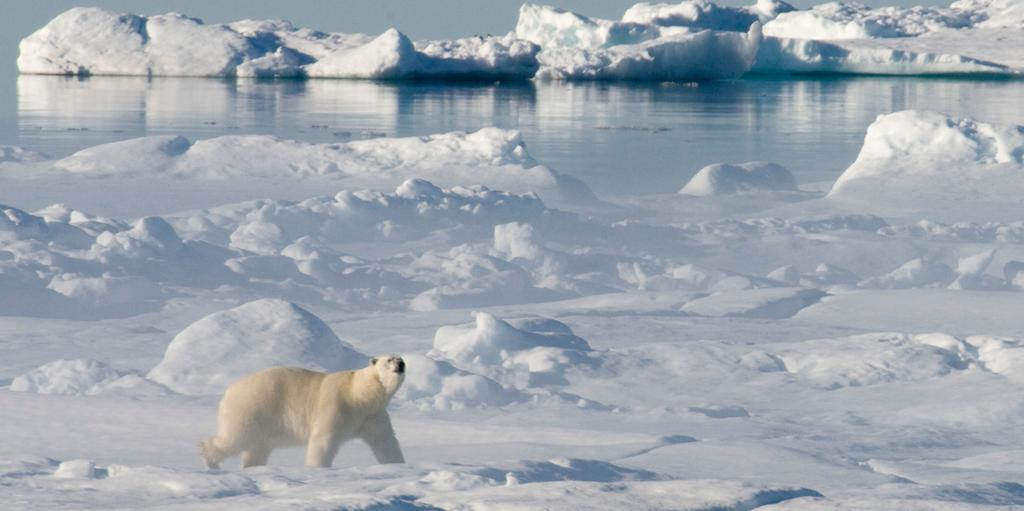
[373, 361]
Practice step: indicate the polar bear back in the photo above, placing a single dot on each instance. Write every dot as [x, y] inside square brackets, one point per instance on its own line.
[282, 401]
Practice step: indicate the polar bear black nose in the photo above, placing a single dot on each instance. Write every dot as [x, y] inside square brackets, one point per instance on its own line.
[401, 366]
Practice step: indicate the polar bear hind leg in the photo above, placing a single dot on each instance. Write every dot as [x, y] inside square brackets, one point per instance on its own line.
[215, 451]
[253, 457]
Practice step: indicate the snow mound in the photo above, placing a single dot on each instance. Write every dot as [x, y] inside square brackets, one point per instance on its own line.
[705, 14]
[875, 358]
[92, 41]
[534, 352]
[83, 377]
[490, 156]
[224, 346]
[914, 156]
[575, 47]
[436, 384]
[723, 179]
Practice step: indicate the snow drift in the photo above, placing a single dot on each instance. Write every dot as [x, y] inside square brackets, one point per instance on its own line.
[93, 41]
[224, 346]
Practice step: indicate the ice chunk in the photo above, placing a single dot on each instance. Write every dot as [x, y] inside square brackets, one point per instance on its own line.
[576, 47]
[437, 384]
[971, 272]
[530, 354]
[1000, 355]
[516, 240]
[705, 14]
[919, 272]
[1013, 271]
[76, 469]
[835, 20]
[224, 346]
[723, 178]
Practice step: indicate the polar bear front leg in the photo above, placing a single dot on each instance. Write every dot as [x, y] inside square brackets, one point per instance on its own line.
[324, 440]
[322, 447]
[378, 433]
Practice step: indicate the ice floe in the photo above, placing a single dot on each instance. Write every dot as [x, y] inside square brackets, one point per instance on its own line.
[93, 41]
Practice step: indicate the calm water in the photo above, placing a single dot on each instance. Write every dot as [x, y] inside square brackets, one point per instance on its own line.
[618, 138]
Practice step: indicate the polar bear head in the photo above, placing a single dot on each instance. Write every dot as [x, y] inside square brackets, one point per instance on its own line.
[390, 371]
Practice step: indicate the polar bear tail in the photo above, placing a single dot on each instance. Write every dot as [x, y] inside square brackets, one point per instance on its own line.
[212, 453]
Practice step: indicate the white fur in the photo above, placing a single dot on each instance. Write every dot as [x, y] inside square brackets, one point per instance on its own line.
[288, 406]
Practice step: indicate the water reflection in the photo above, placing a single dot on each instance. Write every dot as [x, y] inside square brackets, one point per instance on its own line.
[634, 138]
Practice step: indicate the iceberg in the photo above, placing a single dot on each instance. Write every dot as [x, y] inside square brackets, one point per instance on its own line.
[93, 41]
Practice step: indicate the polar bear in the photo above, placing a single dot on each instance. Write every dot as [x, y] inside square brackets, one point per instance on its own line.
[288, 406]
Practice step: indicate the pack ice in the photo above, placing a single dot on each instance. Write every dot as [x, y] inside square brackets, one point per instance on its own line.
[859, 348]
